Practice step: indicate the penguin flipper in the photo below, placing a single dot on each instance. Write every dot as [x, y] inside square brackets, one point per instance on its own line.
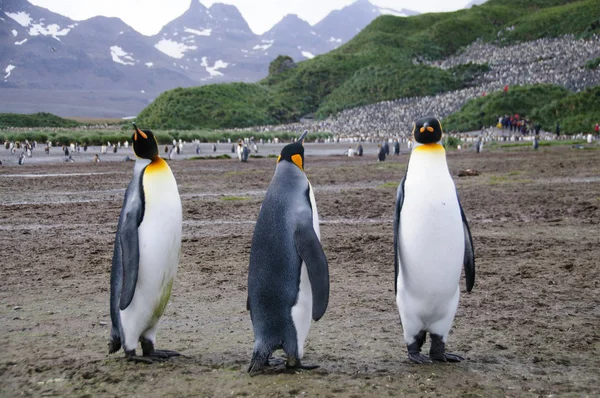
[469, 260]
[399, 203]
[131, 218]
[310, 250]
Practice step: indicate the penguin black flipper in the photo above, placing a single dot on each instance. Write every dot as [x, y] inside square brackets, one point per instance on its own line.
[310, 250]
[469, 261]
[128, 253]
[399, 202]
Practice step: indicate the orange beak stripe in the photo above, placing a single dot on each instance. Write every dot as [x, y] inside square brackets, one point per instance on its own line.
[140, 132]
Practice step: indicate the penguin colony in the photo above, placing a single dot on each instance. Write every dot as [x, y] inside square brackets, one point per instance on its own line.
[288, 275]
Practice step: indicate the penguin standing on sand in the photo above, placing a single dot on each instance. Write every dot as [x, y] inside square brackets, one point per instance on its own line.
[479, 145]
[432, 242]
[381, 153]
[288, 277]
[245, 153]
[146, 252]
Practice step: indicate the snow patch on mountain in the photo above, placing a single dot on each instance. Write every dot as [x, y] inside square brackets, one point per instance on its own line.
[213, 70]
[267, 44]
[335, 40]
[149, 64]
[18, 43]
[172, 48]
[8, 69]
[15, 33]
[120, 56]
[307, 54]
[21, 17]
[53, 30]
[39, 28]
[203, 32]
[389, 11]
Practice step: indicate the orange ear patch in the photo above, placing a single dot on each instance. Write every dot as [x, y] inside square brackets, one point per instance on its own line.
[297, 159]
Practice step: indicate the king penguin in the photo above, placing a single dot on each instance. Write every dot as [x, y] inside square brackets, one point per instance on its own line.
[146, 252]
[432, 242]
[288, 276]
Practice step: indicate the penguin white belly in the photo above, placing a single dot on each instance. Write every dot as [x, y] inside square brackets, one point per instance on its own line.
[159, 246]
[302, 310]
[431, 250]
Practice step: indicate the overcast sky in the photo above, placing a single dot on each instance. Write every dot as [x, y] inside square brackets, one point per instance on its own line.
[149, 16]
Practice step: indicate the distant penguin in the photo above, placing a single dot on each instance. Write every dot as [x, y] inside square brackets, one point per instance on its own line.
[381, 154]
[245, 153]
[22, 159]
[146, 252]
[536, 142]
[359, 150]
[386, 147]
[396, 148]
[479, 145]
[240, 149]
[214, 147]
[432, 242]
[288, 277]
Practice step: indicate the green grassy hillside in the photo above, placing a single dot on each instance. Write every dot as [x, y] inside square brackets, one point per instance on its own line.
[376, 65]
[41, 119]
[547, 104]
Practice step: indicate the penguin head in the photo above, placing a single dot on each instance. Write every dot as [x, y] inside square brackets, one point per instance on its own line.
[427, 130]
[145, 145]
[294, 152]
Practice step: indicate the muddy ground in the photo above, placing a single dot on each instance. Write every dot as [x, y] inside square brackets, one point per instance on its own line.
[531, 326]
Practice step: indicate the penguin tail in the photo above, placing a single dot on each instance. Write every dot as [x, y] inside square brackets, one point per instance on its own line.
[114, 344]
[260, 360]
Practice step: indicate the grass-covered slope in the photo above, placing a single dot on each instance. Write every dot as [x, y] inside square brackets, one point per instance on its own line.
[546, 104]
[213, 106]
[376, 65]
[41, 119]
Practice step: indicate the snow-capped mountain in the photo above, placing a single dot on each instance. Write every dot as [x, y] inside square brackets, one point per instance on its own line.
[106, 59]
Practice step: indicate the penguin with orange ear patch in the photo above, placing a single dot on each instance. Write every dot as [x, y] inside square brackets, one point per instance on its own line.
[146, 252]
[432, 243]
[288, 277]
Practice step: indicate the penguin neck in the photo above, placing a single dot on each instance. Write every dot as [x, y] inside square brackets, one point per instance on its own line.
[428, 157]
[288, 173]
[140, 164]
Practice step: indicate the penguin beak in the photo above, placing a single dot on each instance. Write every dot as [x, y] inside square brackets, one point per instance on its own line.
[138, 131]
[427, 127]
[303, 136]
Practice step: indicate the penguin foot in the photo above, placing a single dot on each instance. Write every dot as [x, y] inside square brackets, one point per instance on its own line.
[163, 354]
[417, 357]
[130, 355]
[446, 357]
[275, 362]
[438, 351]
[295, 363]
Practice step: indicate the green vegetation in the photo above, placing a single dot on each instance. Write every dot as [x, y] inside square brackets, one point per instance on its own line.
[593, 63]
[222, 156]
[232, 198]
[548, 104]
[376, 65]
[164, 137]
[451, 142]
[41, 119]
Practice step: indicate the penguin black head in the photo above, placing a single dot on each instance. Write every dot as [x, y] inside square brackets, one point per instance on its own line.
[427, 130]
[294, 152]
[145, 145]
